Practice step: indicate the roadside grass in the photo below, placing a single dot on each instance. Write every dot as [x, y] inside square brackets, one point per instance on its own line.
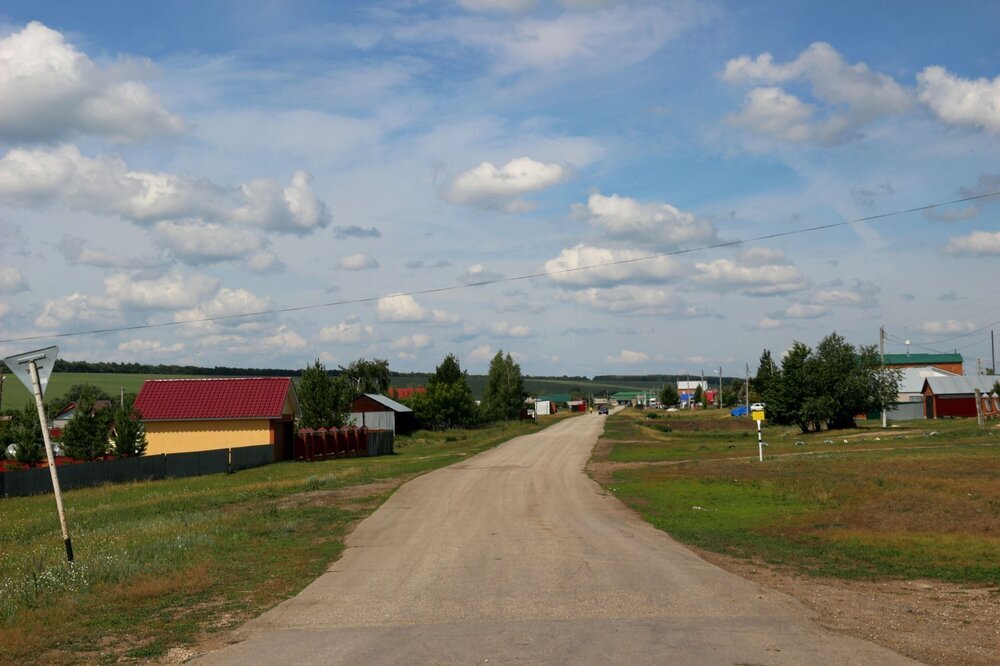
[161, 563]
[895, 503]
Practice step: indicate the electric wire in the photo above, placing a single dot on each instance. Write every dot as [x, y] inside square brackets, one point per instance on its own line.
[516, 278]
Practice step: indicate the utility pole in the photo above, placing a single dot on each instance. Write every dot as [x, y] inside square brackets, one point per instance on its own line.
[719, 401]
[746, 394]
[993, 351]
[881, 351]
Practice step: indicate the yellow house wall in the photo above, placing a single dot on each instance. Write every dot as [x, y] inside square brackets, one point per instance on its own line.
[187, 436]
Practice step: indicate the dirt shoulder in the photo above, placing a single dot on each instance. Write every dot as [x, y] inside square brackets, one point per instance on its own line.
[930, 621]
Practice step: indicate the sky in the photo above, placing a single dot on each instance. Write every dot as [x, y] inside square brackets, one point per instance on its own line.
[644, 187]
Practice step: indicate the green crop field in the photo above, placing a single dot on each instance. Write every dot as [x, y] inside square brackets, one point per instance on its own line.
[15, 395]
[920, 500]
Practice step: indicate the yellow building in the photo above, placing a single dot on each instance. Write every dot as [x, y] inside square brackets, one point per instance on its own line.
[185, 415]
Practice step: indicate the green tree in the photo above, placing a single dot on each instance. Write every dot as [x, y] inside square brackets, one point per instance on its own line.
[448, 402]
[829, 386]
[363, 376]
[75, 391]
[322, 398]
[85, 436]
[504, 394]
[129, 434]
[699, 396]
[26, 435]
[766, 371]
[668, 395]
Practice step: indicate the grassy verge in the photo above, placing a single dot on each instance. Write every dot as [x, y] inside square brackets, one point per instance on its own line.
[916, 501]
[158, 564]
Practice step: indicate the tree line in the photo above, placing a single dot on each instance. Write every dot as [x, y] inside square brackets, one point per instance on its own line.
[446, 403]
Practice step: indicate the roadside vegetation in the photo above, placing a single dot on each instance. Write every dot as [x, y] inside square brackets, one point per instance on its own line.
[161, 564]
[917, 500]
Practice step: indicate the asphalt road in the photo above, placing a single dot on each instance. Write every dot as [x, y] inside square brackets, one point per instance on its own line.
[516, 556]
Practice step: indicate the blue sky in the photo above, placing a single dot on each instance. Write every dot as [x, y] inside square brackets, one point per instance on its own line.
[176, 162]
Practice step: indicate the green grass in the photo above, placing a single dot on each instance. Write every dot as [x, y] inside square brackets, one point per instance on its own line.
[160, 563]
[886, 504]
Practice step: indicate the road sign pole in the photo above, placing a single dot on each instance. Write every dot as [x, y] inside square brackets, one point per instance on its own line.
[760, 441]
[36, 384]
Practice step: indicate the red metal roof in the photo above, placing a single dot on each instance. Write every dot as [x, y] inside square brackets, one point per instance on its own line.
[216, 398]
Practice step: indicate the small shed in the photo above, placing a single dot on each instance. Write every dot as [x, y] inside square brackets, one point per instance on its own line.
[954, 396]
[370, 410]
[185, 415]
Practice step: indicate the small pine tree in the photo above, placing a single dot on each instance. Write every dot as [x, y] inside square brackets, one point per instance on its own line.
[86, 434]
[29, 447]
[129, 434]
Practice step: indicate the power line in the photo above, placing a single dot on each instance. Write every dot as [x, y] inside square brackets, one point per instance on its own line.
[517, 278]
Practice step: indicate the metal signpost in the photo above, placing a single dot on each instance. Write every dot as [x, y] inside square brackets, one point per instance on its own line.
[758, 416]
[33, 369]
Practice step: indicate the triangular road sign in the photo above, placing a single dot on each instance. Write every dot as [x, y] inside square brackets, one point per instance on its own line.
[44, 360]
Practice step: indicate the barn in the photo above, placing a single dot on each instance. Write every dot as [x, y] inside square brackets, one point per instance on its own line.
[954, 396]
[370, 410]
[185, 415]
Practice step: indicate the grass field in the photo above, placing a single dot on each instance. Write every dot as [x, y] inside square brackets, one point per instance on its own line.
[15, 395]
[159, 564]
[916, 501]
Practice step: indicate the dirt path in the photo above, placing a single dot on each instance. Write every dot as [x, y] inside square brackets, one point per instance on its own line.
[516, 555]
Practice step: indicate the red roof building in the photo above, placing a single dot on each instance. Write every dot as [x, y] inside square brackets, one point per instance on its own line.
[183, 415]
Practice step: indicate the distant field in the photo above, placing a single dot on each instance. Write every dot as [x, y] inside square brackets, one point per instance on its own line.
[15, 395]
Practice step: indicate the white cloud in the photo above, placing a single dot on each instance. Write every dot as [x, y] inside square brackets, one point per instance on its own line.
[12, 280]
[263, 261]
[357, 262]
[143, 348]
[803, 311]
[478, 273]
[848, 96]
[4, 309]
[949, 326]
[507, 330]
[658, 224]
[481, 353]
[860, 294]
[754, 273]
[501, 187]
[445, 318]
[226, 302]
[768, 324]
[51, 91]
[292, 209]
[978, 243]
[171, 291]
[347, 332]
[959, 101]
[399, 308]
[105, 185]
[197, 243]
[511, 6]
[611, 38]
[283, 339]
[415, 341]
[629, 357]
[76, 308]
[77, 252]
[629, 299]
[609, 267]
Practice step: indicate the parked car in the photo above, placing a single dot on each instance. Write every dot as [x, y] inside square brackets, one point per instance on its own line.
[602, 409]
[757, 407]
[739, 411]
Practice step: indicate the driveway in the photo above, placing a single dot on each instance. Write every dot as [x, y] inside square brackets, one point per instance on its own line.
[516, 556]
